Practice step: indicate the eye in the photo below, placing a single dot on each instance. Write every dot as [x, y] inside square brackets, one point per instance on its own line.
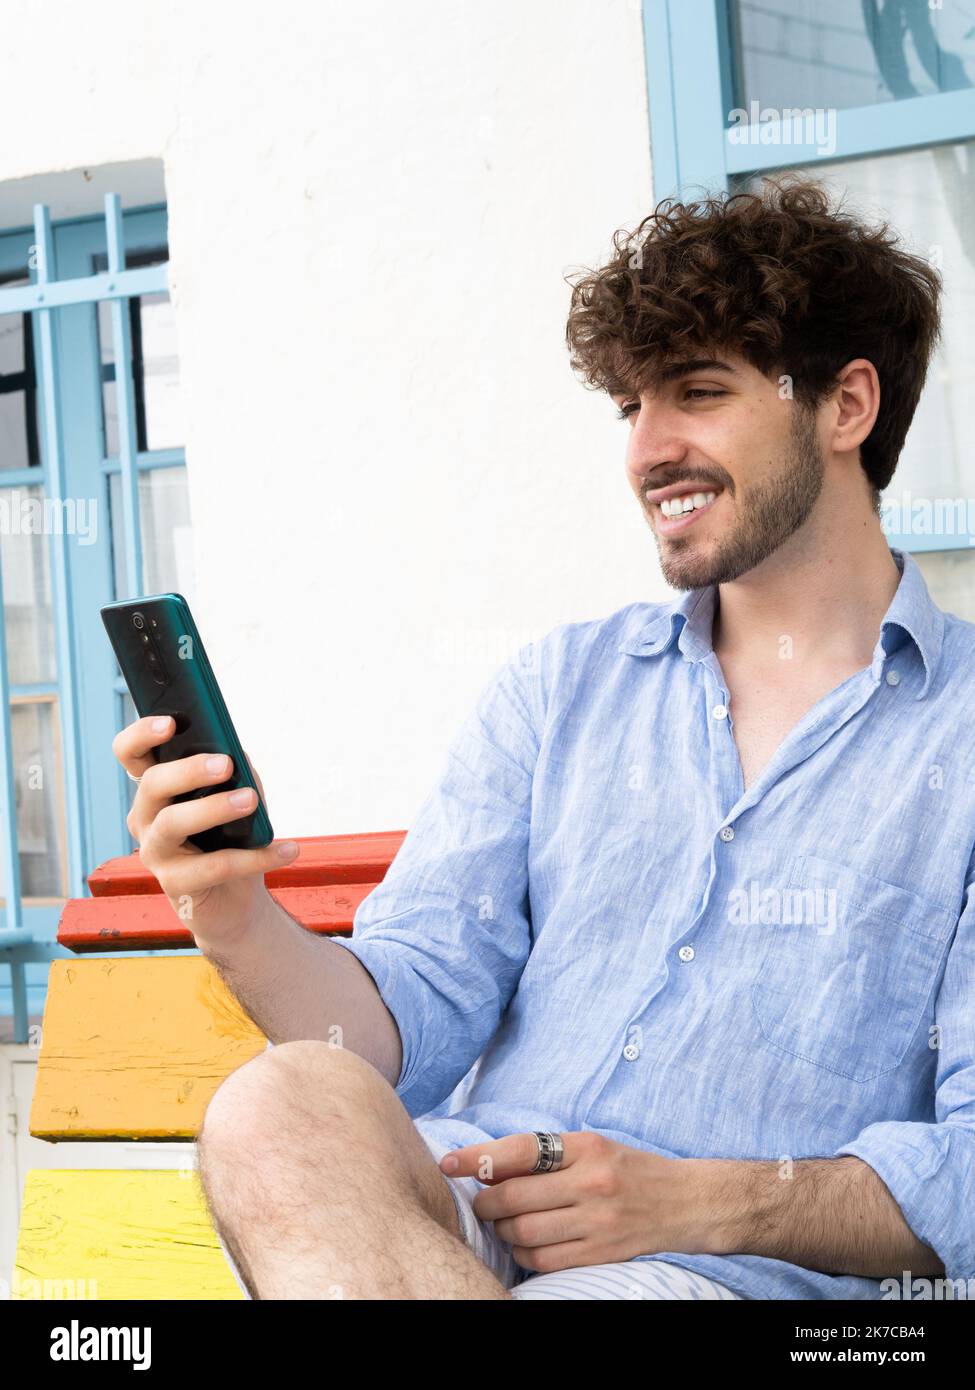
[627, 409]
[699, 393]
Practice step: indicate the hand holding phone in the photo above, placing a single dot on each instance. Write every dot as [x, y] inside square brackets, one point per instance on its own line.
[197, 791]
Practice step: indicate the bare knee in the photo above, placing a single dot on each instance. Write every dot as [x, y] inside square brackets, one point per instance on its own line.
[303, 1122]
[305, 1085]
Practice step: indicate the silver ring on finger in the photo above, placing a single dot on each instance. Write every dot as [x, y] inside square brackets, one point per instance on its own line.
[136, 780]
[550, 1152]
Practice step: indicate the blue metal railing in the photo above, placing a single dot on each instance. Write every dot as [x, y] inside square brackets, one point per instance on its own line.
[43, 298]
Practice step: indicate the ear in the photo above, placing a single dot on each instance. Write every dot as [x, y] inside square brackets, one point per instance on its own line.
[856, 401]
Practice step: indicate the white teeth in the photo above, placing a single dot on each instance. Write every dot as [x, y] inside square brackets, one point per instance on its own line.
[677, 506]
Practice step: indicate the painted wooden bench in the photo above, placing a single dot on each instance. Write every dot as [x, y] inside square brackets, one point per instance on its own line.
[132, 1048]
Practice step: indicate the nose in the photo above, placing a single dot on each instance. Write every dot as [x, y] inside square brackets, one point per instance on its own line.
[655, 440]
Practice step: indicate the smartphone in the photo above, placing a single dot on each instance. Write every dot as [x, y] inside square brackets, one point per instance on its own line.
[165, 666]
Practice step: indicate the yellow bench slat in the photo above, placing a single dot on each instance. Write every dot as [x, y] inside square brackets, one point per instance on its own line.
[134, 1048]
[116, 1233]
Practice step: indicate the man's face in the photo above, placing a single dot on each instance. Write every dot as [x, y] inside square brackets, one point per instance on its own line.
[715, 435]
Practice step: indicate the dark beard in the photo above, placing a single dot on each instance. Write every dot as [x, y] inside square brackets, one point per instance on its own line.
[771, 513]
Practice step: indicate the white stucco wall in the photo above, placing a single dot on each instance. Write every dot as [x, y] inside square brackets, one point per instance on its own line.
[395, 480]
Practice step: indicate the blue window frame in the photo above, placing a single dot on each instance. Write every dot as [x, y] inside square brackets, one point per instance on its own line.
[111, 569]
[881, 102]
[73, 427]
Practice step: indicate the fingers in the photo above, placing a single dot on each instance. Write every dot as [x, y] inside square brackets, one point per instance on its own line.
[515, 1196]
[176, 821]
[163, 825]
[133, 745]
[162, 781]
[500, 1159]
[194, 874]
[533, 1227]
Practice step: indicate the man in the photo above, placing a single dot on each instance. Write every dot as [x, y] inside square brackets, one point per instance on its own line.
[678, 956]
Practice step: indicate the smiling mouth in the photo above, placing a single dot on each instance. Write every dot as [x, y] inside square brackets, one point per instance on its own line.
[678, 512]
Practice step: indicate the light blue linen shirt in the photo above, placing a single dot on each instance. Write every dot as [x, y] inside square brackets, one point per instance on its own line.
[592, 925]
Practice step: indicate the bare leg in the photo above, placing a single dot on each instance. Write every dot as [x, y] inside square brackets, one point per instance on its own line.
[322, 1188]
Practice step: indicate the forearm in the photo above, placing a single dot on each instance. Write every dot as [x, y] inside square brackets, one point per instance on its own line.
[296, 985]
[834, 1215]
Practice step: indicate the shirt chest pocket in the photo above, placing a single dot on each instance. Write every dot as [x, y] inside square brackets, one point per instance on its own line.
[849, 968]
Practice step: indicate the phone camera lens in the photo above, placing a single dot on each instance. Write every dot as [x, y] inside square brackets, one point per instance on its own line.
[138, 621]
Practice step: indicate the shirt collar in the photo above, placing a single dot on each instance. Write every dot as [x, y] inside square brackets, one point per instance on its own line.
[912, 615]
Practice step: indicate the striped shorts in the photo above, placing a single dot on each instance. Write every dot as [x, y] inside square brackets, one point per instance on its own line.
[633, 1279]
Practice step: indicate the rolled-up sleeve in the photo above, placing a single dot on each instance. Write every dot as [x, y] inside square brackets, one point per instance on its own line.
[446, 934]
[929, 1169]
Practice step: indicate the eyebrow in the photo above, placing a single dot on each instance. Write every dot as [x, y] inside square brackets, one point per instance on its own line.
[673, 371]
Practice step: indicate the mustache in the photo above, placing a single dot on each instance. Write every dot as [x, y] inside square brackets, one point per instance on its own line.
[703, 484]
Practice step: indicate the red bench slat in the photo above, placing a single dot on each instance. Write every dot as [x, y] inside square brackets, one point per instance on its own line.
[148, 922]
[323, 859]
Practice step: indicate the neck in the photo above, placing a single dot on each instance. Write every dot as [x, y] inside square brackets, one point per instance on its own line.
[827, 594]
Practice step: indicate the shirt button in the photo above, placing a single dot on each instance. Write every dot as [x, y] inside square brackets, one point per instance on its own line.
[720, 712]
[631, 1052]
[893, 678]
[726, 833]
[686, 953]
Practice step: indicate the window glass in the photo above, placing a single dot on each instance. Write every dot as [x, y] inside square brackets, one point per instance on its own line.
[949, 575]
[840, 53]
[155, 367]
[27, 611]
[167, 554]
[18, 397]
[38, 798]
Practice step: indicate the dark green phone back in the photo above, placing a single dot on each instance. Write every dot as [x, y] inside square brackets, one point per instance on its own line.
[167, 672]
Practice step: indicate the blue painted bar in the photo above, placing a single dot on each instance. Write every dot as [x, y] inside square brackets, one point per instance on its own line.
[13, 941]
[29, 952]
[125, 402]
[883, 128]
[88, 289]
[699, 115]
[29, 691]
[34, 938]
[22, 477]
[60, 564]
[13, 912]
[148, 463]
[665, 164]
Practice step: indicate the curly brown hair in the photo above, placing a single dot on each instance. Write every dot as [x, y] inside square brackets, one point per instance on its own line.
[783, 278]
